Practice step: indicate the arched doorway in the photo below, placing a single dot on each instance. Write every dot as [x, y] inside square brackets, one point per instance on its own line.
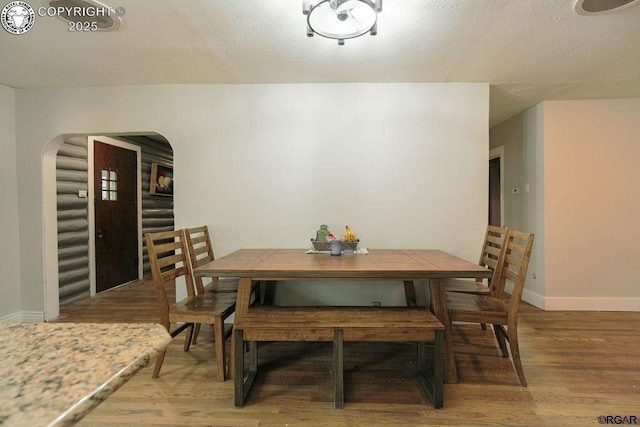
[69, 237]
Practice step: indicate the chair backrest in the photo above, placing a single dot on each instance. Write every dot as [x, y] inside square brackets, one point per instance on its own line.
[493, 248]
[200, 250]
[514, 267]
[168, 259]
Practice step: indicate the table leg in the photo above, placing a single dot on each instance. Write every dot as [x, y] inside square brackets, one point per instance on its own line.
[243, 300]
[410, 293]
[269, 292]
[439, 303]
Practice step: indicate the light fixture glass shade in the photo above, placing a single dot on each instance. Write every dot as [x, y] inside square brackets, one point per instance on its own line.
[346, 19]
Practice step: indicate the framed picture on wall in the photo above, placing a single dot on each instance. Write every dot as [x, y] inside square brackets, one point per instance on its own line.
[161, 181]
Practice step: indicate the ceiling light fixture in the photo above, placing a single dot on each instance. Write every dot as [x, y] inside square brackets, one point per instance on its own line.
[600, 7]
[341, 19]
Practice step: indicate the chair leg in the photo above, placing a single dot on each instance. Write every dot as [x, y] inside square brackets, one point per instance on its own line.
[187, 343]
[159, 360]
[500, 337]
[515, 354]
[218, 328]
[196, 332]
[188, 337]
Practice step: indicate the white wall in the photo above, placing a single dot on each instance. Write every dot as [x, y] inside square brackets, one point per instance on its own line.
[583, 204]
[523, 141]
[9, 250]
[264, 165]
[592, 203]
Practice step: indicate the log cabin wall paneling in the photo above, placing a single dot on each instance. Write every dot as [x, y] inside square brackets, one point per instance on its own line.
[73, 223]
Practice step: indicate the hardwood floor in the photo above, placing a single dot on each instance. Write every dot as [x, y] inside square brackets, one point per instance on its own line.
[579, 365]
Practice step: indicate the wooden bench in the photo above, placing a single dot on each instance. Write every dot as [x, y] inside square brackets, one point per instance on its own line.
[340, 324]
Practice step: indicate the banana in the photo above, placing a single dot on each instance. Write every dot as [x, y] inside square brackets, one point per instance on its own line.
[349, 235]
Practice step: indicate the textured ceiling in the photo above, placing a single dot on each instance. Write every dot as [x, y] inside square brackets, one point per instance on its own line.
[529, 51]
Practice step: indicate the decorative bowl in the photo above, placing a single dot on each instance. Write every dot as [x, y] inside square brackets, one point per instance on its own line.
[326, 246]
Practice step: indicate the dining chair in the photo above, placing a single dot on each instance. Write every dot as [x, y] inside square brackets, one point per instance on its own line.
[168, 259]
[493, 251]
[493, 308]
[201, 252]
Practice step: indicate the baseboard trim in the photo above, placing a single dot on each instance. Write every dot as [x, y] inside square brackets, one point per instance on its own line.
[579, 303]
[24, 317]
[591, 304]
[534, 299]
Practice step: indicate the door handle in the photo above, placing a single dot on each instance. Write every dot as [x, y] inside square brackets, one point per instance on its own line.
[99, 234]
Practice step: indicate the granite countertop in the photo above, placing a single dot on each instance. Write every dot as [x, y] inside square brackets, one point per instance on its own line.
[54, 373]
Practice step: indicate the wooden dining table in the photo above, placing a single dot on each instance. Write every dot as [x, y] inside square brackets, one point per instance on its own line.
[406, 265]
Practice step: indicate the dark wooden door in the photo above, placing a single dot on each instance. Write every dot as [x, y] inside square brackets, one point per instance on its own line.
[494, 192]
[116, 215]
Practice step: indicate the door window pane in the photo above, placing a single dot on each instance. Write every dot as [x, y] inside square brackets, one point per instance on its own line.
[109, 185]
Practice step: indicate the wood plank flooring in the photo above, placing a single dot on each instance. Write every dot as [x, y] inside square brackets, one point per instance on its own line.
[579, 365]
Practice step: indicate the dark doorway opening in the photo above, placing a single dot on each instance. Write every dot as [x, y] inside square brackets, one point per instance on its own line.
[494, 192]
